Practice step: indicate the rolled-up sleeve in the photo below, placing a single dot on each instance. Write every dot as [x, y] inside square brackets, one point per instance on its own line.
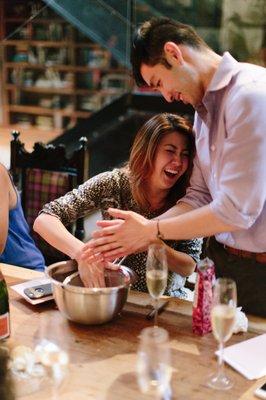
[241, 181]
[197, 194]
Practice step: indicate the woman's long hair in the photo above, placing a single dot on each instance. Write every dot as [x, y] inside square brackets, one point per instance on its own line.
[142, 155]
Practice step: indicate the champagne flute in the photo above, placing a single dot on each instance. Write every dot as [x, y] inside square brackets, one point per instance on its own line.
[156, 274]
[222, 318]
[51, 350]
[154, 363]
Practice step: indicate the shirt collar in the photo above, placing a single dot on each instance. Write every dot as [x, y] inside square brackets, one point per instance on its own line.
[227, 68]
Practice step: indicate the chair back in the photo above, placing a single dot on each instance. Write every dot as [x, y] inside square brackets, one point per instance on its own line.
[45, 174]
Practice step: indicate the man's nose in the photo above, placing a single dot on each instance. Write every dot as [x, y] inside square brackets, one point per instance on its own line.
[168, 97]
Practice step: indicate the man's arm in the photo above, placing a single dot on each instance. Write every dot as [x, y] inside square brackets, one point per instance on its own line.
[176, 210]
[133, 233]
[196, 223]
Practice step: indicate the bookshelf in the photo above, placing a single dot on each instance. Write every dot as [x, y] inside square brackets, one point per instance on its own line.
[52, 76]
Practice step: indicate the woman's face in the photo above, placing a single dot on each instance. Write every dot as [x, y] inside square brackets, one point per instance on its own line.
[170, 162]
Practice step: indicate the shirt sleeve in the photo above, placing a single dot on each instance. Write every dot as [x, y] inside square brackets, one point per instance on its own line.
[197, 194]
[99, 192]
[241, 193]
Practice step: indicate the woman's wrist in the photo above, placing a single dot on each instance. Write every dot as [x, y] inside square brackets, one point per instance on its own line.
[76, 251]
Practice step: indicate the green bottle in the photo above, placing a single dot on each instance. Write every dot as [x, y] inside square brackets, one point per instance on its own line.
[6, 383]
[4, 309]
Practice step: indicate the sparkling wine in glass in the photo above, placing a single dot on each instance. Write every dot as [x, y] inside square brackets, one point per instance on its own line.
[223, 319]
[156, 274]
[154, 363]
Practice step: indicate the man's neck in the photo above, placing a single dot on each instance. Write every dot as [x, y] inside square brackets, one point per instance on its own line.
[206, 62]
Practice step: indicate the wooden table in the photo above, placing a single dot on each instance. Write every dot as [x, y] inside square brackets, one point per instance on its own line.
[102, 358]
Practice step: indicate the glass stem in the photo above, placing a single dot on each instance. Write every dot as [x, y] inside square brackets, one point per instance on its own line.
[221, 359]
[156, 312]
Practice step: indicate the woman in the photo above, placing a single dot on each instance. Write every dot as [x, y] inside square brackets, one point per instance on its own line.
[16, 245]
[155, 177]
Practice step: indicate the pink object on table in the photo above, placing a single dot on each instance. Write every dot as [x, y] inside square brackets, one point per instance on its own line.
[201, 313]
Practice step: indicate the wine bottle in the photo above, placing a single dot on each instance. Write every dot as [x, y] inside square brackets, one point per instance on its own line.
[4, 309]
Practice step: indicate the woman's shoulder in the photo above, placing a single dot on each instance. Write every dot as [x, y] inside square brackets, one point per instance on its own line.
[4, 176]
[117, 175]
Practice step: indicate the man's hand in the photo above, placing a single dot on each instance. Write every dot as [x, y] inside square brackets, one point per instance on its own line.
[129, 233]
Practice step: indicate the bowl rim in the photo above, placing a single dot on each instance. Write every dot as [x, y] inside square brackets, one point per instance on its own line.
[84, 290]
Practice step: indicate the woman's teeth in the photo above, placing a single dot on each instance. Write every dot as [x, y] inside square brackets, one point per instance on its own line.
[170, 172]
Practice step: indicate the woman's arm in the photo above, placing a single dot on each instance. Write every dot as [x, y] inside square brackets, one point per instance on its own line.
[55, 233]
[179, 262]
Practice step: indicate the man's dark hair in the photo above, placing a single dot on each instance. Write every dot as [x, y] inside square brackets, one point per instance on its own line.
[149, 40]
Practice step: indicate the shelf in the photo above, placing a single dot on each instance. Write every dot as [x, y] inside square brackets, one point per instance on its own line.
[46, 111]
[59, 67]
[47, 90]
[63, 91]
[85, 70]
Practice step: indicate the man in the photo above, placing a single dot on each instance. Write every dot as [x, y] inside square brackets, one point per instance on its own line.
[228, 184]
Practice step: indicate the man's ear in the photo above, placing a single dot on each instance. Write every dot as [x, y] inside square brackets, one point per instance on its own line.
[173, 53]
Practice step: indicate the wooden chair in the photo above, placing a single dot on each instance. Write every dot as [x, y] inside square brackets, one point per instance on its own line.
[43, 175]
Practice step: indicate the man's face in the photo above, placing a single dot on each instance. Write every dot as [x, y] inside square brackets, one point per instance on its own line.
[180, 82]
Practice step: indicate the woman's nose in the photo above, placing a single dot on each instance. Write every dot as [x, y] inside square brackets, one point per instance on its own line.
[178, 159]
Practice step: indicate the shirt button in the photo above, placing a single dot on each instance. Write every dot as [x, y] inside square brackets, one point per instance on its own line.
[213, 147]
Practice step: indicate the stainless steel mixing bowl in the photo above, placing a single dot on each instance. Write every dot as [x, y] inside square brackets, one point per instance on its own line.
[89, 305]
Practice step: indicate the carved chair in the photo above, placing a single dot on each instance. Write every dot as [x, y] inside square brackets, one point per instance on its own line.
[43, 175]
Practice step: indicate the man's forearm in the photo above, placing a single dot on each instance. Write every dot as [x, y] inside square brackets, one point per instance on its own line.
[176, 210]
[201, 222]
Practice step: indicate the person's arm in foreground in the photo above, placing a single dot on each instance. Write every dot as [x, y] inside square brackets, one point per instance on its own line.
[4, 208]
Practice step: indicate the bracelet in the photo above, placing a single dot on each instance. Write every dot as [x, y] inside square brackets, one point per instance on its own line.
[159, 234]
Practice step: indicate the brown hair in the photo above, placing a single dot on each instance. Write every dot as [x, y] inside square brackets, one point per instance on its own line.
[143, 152]
[149, 40]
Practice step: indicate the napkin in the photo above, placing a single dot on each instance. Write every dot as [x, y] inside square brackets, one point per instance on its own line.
[248, 357]
[241, 322]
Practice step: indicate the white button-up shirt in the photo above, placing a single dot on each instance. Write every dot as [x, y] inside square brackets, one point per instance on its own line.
[230, 166]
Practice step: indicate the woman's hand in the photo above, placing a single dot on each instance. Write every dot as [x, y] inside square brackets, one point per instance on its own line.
[91, 268]
[92, 273]
[130, 233]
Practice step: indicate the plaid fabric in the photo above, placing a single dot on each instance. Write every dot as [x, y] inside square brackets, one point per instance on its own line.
[43, 186]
